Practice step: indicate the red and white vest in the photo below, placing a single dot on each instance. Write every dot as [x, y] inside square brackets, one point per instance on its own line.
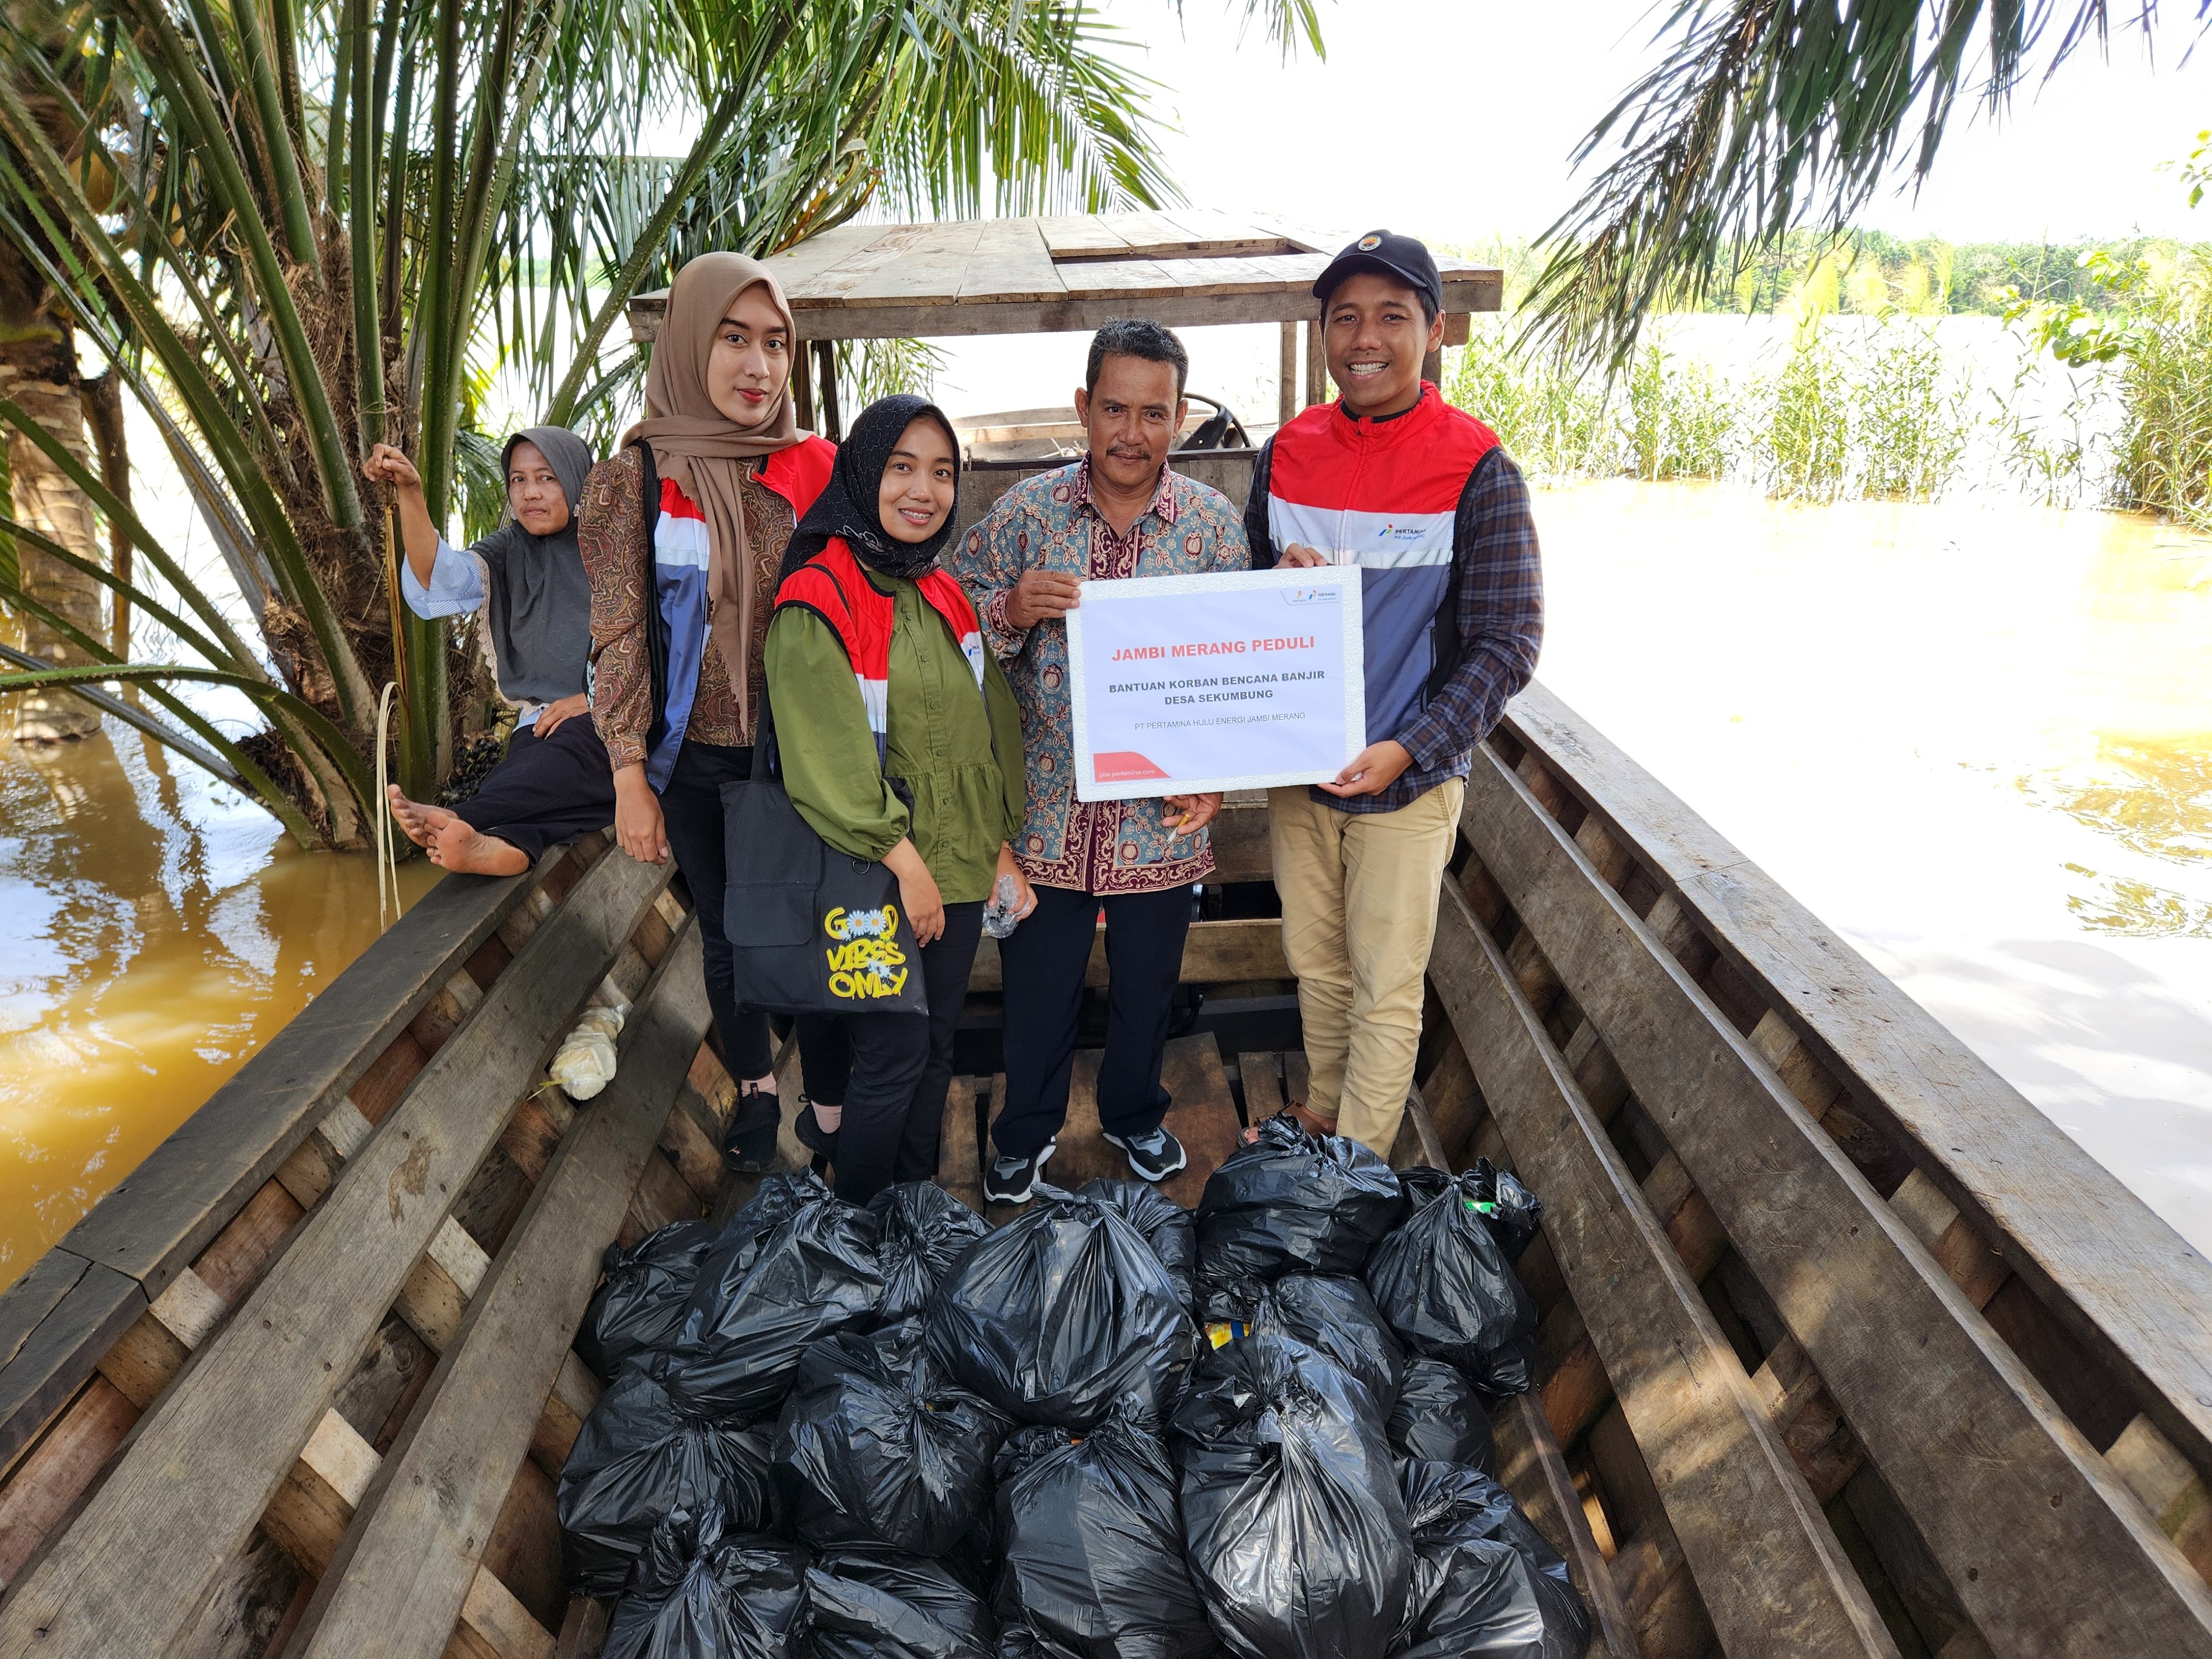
[1384, 495]
[834, 586]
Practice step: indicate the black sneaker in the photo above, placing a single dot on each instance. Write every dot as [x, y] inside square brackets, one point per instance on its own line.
[1154, 1157]
[749, 1141]
[1012, 1180]
[811, 1135]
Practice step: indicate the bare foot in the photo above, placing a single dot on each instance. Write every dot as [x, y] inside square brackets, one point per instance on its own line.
[419, 823]
[458, 846]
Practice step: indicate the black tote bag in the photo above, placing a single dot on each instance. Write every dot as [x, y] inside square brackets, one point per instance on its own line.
[811, 930]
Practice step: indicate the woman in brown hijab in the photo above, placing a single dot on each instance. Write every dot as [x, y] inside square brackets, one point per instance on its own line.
[682, 587]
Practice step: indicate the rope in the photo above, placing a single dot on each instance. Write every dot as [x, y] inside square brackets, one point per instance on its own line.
[387, 862]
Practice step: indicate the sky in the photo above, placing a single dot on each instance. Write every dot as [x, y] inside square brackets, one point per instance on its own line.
[1467, 112]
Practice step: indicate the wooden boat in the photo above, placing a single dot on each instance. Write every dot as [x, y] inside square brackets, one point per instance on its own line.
[1847, 1349]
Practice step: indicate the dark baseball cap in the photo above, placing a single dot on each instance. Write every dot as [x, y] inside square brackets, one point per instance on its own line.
[1405, 258]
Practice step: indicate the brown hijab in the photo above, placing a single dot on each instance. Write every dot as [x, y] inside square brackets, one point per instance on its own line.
[703, 450]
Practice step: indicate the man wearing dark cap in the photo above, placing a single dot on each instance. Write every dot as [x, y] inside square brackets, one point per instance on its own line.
[1420, 496]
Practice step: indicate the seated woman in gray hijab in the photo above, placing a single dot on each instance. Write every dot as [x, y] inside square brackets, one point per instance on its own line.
[527, 580]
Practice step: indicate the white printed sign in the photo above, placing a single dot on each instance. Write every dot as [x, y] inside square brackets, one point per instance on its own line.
[1242, 680]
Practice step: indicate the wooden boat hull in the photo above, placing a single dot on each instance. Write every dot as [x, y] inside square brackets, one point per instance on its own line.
[1845, 1347]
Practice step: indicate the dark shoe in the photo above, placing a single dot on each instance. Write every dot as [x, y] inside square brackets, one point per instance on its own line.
[1012, 1180]
[1154, 1157]
[811, 1135]
[749, 1141]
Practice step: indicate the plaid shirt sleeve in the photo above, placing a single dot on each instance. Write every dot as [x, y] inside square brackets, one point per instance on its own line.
[1500, 614]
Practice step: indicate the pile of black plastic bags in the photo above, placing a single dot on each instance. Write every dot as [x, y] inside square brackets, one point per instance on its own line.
[1111, 1429]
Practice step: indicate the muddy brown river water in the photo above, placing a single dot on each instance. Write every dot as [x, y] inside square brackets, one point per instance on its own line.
[1975, 739]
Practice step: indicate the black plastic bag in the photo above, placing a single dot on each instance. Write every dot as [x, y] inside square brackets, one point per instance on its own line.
[1471, 1595]
[640, 1305]
[1165, 1224]
[1438, 1419]
[1513, 1211]
[875, 1445]
[1450, 1503]
[777, 1198]
[1294, 1527]
[640, 1458]
[1334, 1314]
[1093, 1547]
[1509, 1369]
[1446, 1289]
[766, 1293]
[1291, 1202]
[866, 1602]
[1421, 1182]
[1062, 1316]
[923, 1231]
[699, 1592]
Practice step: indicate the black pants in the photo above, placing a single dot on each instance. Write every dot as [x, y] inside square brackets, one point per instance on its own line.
[894, 1069]
[1044, 959]
[691, 808]
[545, 790]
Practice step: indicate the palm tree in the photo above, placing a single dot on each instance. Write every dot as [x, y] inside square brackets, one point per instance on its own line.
[38, 370]
[321, 209]
[1763, 116]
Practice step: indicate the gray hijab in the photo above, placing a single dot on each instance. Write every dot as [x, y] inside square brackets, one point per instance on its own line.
[538, 599]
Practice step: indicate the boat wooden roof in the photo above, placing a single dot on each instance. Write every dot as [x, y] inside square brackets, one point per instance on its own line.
[1188, 265]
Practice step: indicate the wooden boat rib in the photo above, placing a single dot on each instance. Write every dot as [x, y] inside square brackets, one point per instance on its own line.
[1846, 1349]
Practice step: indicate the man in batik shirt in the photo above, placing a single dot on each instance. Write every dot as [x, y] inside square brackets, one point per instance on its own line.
[1121, 510]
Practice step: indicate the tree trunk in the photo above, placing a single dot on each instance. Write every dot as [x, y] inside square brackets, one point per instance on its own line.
[103, 414]
[39, 373]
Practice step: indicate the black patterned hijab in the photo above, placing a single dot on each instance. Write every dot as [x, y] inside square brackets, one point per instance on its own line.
[848, 505]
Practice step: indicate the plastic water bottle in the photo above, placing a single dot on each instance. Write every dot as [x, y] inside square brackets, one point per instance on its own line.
[999, 918]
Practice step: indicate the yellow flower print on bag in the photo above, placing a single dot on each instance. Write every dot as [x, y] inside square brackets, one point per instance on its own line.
[867, 961]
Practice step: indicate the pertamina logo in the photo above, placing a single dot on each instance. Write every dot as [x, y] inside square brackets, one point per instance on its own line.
[866, 960]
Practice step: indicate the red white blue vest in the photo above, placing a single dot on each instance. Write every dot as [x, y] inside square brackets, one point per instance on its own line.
[834, 587]
[1384, 495]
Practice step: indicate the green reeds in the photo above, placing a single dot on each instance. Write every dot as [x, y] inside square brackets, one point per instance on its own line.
[2162, 453]
[1835, 419]
[1680, 421]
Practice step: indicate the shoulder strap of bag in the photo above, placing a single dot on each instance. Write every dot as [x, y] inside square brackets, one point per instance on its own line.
[656, 625]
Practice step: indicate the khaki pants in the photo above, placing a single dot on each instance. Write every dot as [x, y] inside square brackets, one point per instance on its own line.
[1359, 913]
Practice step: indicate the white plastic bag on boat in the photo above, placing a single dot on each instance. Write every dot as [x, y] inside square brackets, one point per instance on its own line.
[585, 1063]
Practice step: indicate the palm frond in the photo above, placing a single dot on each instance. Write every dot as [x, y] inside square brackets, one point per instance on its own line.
[1765, 115]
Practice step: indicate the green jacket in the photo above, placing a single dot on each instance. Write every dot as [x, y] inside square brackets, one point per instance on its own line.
[959, 753]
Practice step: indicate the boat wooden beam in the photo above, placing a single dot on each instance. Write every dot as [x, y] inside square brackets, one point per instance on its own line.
[143, 1555]
[1529, 1466]
[1743, 1516]
[2102, 1260]
[402, 1578]
[2083, 1557]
